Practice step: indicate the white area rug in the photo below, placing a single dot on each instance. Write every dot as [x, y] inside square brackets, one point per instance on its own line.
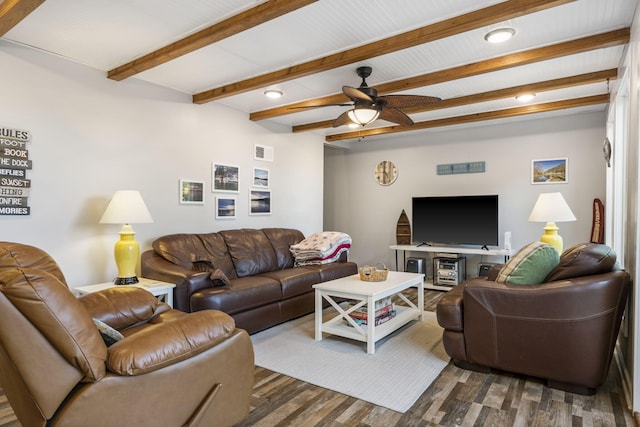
[404, 365]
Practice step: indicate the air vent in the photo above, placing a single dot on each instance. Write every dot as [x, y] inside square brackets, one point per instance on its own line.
[262, 152]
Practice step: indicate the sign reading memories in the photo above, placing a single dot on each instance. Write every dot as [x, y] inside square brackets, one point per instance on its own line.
[14, 163]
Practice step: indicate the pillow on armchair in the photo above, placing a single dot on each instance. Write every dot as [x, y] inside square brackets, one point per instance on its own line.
[530, 266]
[583, 259]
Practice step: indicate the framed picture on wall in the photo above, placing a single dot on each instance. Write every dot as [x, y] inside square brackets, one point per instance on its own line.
[191, 192]
[259, 202]
[260, 178]
[225, 207]
[550, 171]
[224, 178]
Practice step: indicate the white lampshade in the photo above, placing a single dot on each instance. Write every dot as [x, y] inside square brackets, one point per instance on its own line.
[551, 207]
[363, 116]
[126, 207]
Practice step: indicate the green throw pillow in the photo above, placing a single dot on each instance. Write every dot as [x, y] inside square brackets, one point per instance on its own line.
[530, 266]
[108, 334]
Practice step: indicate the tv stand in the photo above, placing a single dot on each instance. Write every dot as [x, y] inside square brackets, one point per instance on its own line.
[506, 253]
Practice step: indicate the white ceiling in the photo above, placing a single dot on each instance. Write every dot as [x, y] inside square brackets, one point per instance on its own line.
[105, 34]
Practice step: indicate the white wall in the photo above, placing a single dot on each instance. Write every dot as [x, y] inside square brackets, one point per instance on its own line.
[92, 136]
[357, 205]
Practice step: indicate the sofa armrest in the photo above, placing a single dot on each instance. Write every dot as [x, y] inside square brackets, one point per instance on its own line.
[187, 281]
[449, 311]
[123, 306]
[168, 343]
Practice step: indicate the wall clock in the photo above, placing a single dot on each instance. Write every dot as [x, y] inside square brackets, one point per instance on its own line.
[385, 172]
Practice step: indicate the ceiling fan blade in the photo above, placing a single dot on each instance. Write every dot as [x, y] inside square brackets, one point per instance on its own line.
[396, 116]
[405, 101]
[343, 119]
[356, 94]
[320, 106]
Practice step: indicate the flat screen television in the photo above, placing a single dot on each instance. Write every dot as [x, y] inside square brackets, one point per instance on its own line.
[455, 220]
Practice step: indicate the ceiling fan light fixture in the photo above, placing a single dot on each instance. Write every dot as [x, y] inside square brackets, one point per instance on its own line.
[352, 125]
[273, 93]
[525, 97]
[363, 115]
[499, 35]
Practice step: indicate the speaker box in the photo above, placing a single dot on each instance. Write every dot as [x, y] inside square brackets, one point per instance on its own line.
[483, 269]
[416, 265]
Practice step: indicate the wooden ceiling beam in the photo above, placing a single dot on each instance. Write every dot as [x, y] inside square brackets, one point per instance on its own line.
[477, 19]
[572, 47]
[555, 84]
[14, 11]
[243, 21]
[477, 117]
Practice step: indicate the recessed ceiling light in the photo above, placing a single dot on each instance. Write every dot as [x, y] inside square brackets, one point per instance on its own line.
[273, 93]
[525, 97]
[500, 35]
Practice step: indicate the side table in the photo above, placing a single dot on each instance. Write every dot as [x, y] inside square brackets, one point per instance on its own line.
[161, 290]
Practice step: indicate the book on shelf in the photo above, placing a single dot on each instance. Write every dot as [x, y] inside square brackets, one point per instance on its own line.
[379, 319]
[384, 302]
[385, 310]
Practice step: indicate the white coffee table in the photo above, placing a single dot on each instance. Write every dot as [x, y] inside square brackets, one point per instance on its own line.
[367, 293]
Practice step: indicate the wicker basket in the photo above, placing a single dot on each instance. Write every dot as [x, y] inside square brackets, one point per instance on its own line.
[373, 274]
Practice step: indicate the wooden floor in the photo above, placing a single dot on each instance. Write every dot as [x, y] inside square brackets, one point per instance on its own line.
[456, 398]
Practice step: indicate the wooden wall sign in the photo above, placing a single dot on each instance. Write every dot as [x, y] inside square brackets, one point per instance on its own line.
[14, 163]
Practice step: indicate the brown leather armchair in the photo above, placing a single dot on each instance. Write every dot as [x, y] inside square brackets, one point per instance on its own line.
[563, 330]
[170, 369]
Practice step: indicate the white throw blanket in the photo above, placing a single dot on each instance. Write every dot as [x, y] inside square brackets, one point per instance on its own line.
[321, 248]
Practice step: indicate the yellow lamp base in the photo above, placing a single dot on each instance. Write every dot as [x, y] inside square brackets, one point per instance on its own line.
[552, 237]
[126, 252]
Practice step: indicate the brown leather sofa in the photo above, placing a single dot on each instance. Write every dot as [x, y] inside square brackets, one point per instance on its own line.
[263, 287]
[170, 369]
[563, 330]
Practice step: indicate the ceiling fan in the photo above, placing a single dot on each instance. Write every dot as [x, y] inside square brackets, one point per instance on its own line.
[368, 106]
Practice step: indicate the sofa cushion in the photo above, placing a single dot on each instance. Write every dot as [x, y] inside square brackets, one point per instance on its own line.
[294, 281]
[181, 249]
[251, 252]
[282, 239]
[530, 266]
[218, 254]
[246, 293]
[583, 259]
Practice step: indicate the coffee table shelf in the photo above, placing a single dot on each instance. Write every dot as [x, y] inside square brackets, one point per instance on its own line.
[403, 316]
[367, 293]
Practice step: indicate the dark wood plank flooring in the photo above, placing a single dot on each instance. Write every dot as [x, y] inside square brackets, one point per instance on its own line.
[456, 398]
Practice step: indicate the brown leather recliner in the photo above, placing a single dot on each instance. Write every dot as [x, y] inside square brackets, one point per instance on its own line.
[170, 369]
[563, 330]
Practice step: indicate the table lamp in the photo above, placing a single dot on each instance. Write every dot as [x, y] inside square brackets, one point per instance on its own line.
[126, 207]
[551, 208]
